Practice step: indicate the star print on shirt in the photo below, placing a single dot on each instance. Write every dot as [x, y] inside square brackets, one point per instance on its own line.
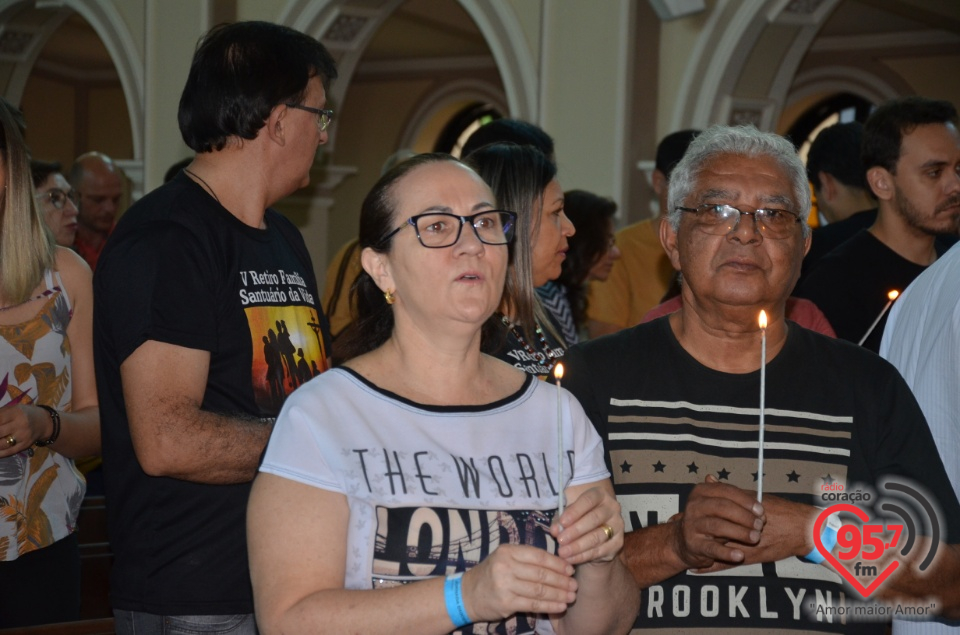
[829, 480]
[723, 475]
[693, 468]
[625, 467]
[793, 477]
[658, 466]
[755, 475]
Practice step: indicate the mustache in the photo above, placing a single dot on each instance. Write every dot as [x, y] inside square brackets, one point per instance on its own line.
[953, 201]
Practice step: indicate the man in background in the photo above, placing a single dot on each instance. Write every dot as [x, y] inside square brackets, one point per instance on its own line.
[642, 276]
[100, 184]
[911, 150]
[839, 182]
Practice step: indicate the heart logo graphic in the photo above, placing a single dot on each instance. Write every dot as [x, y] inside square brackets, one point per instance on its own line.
[864, 591]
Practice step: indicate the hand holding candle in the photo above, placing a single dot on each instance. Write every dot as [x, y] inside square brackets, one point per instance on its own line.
[763, 390]
[893, 295]
[558, 375]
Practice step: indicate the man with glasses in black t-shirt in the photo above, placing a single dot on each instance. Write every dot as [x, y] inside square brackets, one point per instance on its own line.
[189, 292]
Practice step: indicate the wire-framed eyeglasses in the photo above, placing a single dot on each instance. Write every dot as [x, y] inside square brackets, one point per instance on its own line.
[324, 115]
[436, 229]
[720, 220]
[59, 198]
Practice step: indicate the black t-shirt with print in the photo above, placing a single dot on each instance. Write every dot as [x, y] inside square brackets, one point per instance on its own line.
[834, 413]
[182, 270]
[535, 355]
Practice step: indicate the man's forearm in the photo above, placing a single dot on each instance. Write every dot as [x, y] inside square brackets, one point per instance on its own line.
[650, 554]
[204, 447]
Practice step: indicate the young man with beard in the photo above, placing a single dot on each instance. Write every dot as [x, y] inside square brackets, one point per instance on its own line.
[911, 151]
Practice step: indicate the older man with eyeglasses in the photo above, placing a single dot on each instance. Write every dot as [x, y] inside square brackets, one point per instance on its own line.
[677, 402]
[98, 181]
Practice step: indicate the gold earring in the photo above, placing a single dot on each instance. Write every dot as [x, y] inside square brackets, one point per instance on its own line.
[389, 297]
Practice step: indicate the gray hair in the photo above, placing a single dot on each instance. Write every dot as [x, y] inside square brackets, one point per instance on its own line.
[744, 141]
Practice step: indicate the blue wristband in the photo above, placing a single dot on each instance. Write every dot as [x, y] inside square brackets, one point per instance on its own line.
[828, 536]
[453, 596]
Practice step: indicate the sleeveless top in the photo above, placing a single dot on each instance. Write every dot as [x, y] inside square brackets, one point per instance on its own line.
[40, 495]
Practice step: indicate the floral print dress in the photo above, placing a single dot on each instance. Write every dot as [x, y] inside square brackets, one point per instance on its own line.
[40, 490]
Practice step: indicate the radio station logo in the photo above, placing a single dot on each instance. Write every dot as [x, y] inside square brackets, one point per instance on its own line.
[866, 538]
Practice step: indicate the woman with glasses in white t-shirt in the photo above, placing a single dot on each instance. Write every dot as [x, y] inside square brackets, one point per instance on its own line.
[417, 488]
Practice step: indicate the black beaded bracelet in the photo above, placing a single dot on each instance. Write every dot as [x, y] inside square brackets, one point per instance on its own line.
[55, 416]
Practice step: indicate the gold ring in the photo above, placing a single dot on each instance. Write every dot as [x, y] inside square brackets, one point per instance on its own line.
[608, 530]
[11, 441]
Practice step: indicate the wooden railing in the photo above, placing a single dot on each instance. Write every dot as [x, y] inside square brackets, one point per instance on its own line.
[84, 627]
[96, 558]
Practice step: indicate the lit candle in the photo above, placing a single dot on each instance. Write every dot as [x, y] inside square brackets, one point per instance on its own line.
[558, 375]
[763, 391]
[892, 296]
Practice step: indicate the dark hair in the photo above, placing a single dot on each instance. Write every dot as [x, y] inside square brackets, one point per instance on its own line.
[672, 148]
[239, 73]
[41, 170]
[883, 132]
[836, 151]
[17, 116]
[522, 133]
[374, 322]
[592, 216]
[518, 175]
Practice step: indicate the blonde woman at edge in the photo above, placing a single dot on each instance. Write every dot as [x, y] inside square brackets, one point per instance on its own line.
[48, 401]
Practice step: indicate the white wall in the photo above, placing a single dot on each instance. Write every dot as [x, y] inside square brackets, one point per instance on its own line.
[585, 77]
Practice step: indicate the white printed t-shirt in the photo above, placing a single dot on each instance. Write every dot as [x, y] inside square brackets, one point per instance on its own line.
[433, 490]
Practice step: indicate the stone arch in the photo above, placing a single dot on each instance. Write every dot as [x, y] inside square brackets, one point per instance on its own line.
[346, 26]
[839, 79]
[746, 64]
[109, 27]
[501, 29]
[737, 37]
[459, 91]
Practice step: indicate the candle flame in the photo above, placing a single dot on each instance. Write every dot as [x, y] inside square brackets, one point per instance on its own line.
[763, 319]
[558, 371]
[893, 295]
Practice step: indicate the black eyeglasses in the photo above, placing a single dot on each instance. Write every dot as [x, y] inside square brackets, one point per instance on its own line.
[722, 219]
[59, 198]
[324, 116]
[436, 229]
